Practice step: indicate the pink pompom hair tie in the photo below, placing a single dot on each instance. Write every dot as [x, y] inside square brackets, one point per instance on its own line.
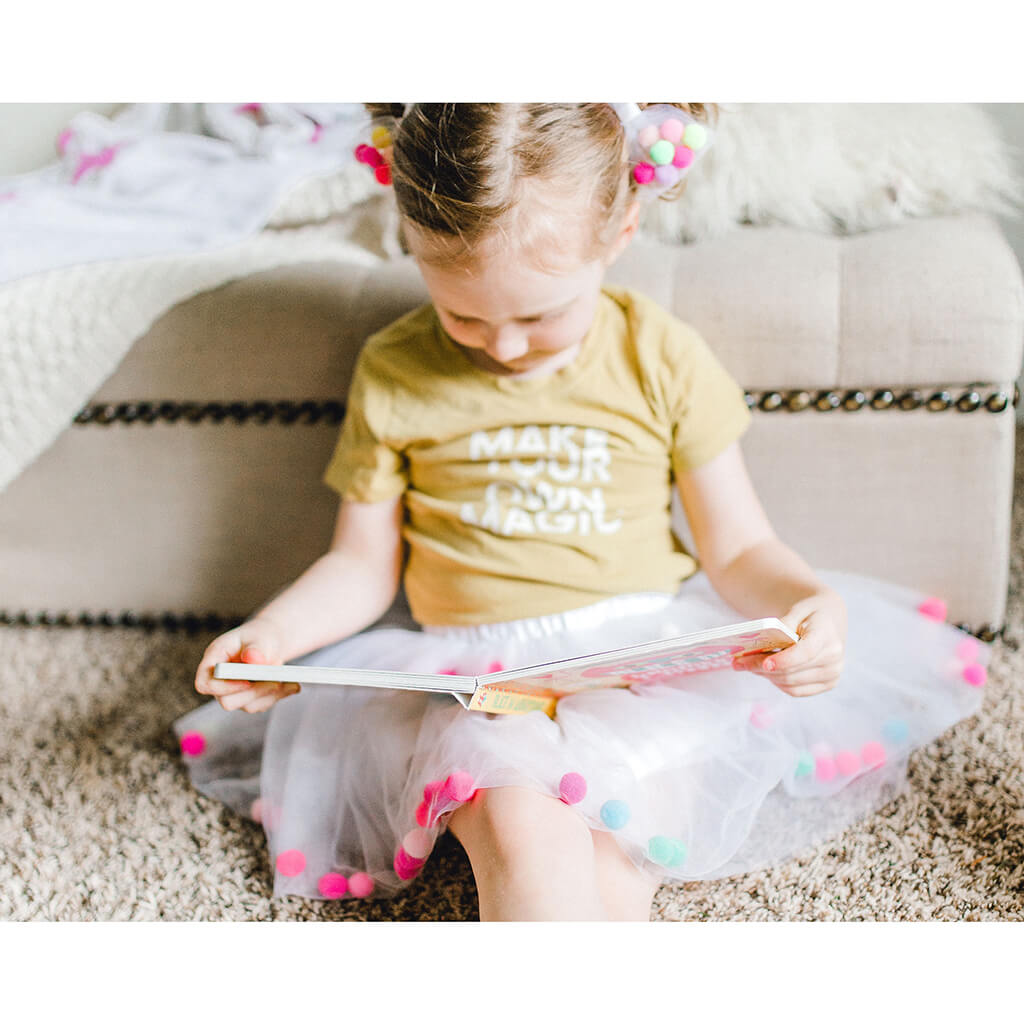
[664, 144]
[377, 153]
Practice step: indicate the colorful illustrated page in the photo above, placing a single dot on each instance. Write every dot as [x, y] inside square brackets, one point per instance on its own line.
[631, 669]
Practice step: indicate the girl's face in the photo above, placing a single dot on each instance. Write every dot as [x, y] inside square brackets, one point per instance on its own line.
[512, 317]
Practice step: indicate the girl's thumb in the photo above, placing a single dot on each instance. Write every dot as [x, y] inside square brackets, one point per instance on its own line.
[253, 656]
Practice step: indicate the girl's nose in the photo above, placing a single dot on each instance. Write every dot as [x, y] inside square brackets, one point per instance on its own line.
[507, 343]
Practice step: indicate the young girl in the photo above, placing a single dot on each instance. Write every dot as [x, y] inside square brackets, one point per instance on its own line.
[514, 445]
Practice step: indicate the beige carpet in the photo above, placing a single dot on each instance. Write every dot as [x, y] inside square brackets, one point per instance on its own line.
[98, 822]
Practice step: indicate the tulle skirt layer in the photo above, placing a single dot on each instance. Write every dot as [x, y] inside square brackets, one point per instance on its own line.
[710, 775]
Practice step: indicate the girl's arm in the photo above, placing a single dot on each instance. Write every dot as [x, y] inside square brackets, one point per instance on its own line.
[759, 575]
[347, 588]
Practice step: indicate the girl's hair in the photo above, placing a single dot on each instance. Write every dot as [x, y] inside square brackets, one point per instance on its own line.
[464, 172]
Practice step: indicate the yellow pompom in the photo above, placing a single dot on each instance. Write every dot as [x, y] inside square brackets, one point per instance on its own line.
[695, 136]
[380, 137]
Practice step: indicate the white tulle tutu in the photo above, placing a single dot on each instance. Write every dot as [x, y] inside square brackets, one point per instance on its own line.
[716, 774]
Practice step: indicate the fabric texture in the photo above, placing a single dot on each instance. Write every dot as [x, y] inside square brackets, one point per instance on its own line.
[135, 185]
[841, 168]
[534, 495]
[700, 777]
[135, 218]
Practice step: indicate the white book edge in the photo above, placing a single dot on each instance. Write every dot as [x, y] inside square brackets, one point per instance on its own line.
[345, 676]
[461, 686]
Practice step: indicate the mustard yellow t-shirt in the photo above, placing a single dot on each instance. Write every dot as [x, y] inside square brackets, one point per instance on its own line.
[531, 496]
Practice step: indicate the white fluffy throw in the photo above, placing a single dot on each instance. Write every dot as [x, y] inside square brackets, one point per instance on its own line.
[840, 168]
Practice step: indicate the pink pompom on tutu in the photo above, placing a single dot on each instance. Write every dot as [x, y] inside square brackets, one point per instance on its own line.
[406, 867]
[933, 608]
[291, 863]
[873, 754]
[976, 675]
[459, 786]
[968, 649]
[572, 788]
[193, 744]
[418, 843]
[360, 885]
[332, 886]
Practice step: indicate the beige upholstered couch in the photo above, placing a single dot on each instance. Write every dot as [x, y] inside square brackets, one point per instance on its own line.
[880, 368]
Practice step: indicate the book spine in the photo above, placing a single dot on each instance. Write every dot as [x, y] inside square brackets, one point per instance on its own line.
[500, 700]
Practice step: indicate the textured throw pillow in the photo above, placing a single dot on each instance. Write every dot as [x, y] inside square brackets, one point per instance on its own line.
[840, 168]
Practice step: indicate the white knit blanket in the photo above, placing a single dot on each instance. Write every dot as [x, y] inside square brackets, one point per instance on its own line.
[88, 266]
[173, 200]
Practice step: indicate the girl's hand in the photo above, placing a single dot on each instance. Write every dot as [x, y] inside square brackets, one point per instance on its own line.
[814, 663]
[256, 642]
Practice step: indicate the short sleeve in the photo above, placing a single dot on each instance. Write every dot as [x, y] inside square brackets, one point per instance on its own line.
[365, 467]
[710, 410]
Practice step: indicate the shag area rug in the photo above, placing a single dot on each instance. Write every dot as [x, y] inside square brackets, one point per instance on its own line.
[99, 823]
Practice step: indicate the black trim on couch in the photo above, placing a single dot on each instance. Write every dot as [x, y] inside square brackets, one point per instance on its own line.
[144, 413]
[172, 622]
[964, 399]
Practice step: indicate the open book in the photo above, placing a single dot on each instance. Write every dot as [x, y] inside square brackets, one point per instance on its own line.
[539, 687]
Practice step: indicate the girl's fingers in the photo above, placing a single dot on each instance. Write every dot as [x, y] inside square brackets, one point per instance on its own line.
[223, 687]
[824, 677]
[266, 703]
[807, 690]
[809, 652]
[241, 698]
[229, 649]
[810, 674]
[258, 696]
[206, 683]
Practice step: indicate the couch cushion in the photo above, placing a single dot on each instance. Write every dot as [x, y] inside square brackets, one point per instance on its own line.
[217, 517]
[934, 302]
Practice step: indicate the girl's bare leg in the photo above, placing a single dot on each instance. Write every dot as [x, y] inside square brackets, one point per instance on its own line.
[626, 890]
[532, 856]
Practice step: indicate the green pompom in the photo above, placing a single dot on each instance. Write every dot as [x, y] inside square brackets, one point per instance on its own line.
[662, 152]
[695, 136]
[669, 853]
[804, 765]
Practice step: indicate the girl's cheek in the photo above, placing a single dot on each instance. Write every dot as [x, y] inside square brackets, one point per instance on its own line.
[462, 333]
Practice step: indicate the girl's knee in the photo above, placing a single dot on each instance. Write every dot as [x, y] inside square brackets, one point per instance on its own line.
[512, 820]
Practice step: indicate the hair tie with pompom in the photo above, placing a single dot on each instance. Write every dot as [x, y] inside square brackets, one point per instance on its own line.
[377, 154]
[664, 143]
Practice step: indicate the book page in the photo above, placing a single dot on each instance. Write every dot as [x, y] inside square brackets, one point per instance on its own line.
[657, 662]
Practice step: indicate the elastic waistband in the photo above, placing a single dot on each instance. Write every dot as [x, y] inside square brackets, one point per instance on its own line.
[590, 616]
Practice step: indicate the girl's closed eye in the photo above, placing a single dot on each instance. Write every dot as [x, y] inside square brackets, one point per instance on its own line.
[542, 317]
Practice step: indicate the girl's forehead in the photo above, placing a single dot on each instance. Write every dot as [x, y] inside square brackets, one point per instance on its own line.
[507, 285]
